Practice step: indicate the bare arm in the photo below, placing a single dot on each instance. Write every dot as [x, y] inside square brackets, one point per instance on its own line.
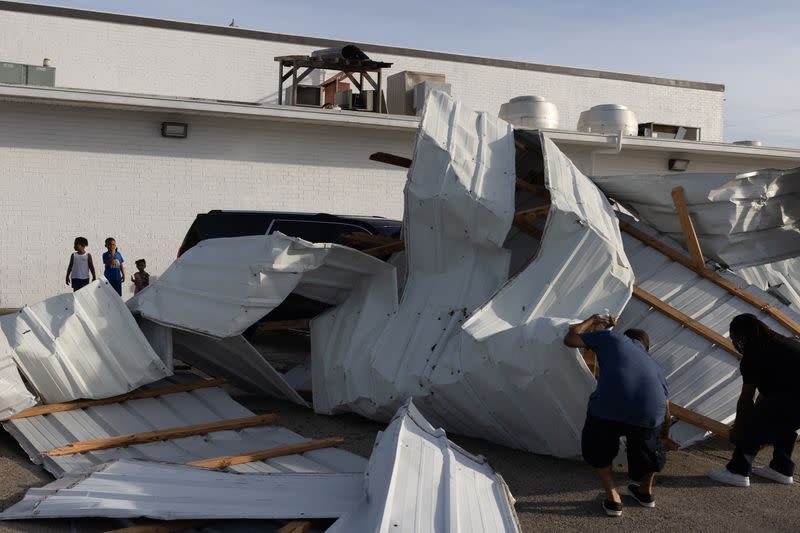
[667, 422]
[91, 268]
[69, 267]
[572, 338]
[122, 269]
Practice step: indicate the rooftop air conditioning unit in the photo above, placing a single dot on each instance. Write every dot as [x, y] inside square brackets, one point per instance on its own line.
[530, 113]
[608, 119]
[306, 95]
[669, 131]
[399, 90]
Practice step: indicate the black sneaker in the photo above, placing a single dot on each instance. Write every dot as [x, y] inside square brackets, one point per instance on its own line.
[644, 500]
[612, 508]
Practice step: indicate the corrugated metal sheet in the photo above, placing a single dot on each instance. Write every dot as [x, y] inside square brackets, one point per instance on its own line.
[222, 286]
[701, 376]
[478, 370]
[81, 345]
[236, 360]
[132, 489]
[418, 481]
[782, 277]
[740, 219]
[14, 395]
[41, 433]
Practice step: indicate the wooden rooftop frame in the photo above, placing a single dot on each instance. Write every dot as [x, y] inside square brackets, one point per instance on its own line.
[348, 67]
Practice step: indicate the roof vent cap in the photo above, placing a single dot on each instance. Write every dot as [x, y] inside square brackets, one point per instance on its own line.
[608, 119]
[530, 113]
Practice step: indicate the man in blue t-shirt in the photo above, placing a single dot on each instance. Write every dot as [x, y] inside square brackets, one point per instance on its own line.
[631, 401]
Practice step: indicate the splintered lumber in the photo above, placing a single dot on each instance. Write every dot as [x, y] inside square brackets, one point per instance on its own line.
[367, 238]
[689, 234]
[535, 212]
[391, 159]
[91, 445]
[384, 249]
[172, 526]
[696, 419]
[279, 451]
[136, 395]
[282, 325]
[535, 190]
[712, 276]
[296, 527]
[685, 320]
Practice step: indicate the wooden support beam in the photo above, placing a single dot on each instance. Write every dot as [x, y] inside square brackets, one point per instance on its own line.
[712, 276]
[390, 159]
[279, 451]
[696, 419]
[159, 435]
[689, 234]
[367, 238]
[384, 249]
[283, 325]
[296, 526]
[136, 395]
[536, 212]
[535, 190]
[166, 526]
[685, 320]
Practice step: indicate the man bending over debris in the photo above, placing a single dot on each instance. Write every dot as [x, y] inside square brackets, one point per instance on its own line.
[631, 401]
[770, 364]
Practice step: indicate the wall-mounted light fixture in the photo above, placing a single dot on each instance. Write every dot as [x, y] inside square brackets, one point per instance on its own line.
[678, 165]
[177, 130]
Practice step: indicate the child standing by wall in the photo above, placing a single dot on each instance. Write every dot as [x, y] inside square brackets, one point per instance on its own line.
[80, 264]
[141, 279]
[115, 269]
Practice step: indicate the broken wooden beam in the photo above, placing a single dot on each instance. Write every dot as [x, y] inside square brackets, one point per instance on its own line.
[701, 421]
[689, 234]
[367, 238]
[166, 526]
[279, 451]
[710, 275]
[391, 159]
[384, 249]
[136, 395]
[159, 435]
[296, 526]
[283, 325]
[686, 321]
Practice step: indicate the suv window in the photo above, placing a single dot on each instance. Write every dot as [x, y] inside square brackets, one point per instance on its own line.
[316, 231]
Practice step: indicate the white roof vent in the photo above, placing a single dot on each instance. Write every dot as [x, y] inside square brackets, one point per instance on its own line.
[608, 119]
[749, 143]
[530, 112]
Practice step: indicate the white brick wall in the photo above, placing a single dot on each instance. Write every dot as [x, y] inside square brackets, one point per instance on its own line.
[119, 57]
[66, 172]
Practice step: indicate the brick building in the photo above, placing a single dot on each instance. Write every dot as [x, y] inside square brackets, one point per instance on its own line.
[86, 156]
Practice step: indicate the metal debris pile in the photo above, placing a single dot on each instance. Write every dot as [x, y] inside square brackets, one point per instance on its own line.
[506, 244]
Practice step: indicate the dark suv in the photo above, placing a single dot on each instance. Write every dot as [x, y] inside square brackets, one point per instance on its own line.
[313, 227]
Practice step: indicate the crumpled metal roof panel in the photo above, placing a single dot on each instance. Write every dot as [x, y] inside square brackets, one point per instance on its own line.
[741, 219]
[701, 376]
[82, 344]
[474, 353]
[45, 432]
[419, 481]
[222, 286]
[14, 395]
[132, 489]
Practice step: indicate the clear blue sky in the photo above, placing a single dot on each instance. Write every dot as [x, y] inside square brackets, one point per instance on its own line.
[751, 47]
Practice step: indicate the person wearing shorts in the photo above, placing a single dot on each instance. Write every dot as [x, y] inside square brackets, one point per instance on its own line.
[630, 401]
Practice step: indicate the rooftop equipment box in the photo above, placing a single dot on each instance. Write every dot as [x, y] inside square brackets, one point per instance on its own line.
[43, 76]
[12, 73]
[400, 90]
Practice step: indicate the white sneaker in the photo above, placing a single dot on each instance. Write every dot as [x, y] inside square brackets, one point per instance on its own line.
[723, 475]
[774, 475]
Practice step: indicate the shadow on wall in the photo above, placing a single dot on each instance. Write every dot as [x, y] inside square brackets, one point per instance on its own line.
[45, 127]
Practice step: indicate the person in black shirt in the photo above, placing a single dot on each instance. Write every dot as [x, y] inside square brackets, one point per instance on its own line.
[771, 365]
